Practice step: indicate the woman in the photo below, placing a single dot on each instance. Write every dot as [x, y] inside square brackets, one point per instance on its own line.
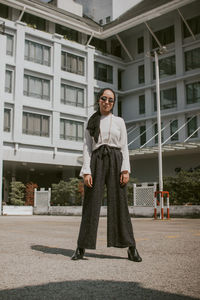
[106, 161]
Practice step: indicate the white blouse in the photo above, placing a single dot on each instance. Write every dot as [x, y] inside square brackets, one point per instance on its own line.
[112, 133]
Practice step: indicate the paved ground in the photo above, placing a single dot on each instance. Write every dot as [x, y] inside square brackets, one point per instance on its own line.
[35, 261]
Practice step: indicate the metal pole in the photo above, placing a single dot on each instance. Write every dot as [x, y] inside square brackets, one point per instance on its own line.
[159, 130]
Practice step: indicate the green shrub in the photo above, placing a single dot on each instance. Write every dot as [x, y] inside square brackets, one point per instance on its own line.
[17, 193]
[184, 188]
[66, 192]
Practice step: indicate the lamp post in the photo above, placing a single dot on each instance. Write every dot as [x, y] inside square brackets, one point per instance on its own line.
[158, 122]
[160, 165]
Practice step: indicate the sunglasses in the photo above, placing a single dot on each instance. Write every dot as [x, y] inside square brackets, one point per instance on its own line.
[110, 100]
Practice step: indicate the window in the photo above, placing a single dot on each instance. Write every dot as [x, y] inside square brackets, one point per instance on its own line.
[194, 24]
[165, 36]
[192, 126]
[119, 103]
[8, 83]
[68, 33]
[142, 135]
[71, 130]
[34, 21]
[3, 11]
[107, 20]
[7, 120]
[142, 104]
[37, 53]
[167, 67]
[192, 59]
[103, 72]
[35, 124]
[168, 99]
[95, 100]
[72, 63]
[98, 44]
[72, 95]
[119, 79]
[36, 87]
[101, 22]
[141, 74]
[173, 129]
[9, 44]
[193, 92]
[116, 48]
[140, 45]
[156, 131]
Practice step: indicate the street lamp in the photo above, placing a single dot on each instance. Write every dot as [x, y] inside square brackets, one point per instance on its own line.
[155, 54]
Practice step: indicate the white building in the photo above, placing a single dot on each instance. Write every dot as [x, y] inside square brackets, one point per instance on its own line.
[53, 62]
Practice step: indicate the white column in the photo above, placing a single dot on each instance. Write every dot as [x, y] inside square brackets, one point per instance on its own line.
[2, 87]
[19, 80]
[56, 89]
[90, 80]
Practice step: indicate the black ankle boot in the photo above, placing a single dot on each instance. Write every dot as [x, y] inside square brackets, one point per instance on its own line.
[133, 254]
[78, 254]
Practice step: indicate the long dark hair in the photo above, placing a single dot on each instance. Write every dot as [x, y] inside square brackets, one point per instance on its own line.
[94, 121]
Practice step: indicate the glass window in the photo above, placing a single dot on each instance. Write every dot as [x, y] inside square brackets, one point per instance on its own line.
[35, 124]
[36, 87]
[168, 99]
[3, 11]
[156, 131]
[72, 63]
[142, 104]
[68, 33]
[34, 21]
[119, 107]
[165, 36]
[141, 74]
[192, 59]
[9, 44]
[140, 45]
[71, 130]
[7, 120]
[194, 24]
[167, 67]
[193, 92]
[116, 48]
[191, 127]
[173, 129]
[103, 72]
[98, 44]
[142, 135]
[107, 20]
[37, 53]
[8, 81]
[72, 95]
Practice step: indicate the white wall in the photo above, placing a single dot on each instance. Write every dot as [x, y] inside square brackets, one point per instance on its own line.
[121, 6]
[70, 6]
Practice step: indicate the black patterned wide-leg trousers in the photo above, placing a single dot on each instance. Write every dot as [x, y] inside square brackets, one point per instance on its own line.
[106, 167]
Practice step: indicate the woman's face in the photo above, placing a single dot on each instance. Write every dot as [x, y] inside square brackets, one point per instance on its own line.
[106, 102]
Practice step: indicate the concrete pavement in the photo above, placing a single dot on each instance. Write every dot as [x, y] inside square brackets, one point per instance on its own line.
[35, 261]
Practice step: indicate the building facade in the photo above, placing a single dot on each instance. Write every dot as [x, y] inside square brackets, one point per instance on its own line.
[53, 63]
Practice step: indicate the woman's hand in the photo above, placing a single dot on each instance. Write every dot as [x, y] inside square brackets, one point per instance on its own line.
[124, 177]
[87, 180]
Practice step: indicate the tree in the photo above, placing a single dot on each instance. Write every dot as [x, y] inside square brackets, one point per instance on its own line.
[17, 193]
[184, 188]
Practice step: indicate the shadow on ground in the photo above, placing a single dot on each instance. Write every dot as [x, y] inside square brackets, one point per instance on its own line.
[88, 289]
[69, 252]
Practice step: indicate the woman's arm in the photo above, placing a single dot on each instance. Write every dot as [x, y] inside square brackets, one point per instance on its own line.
[124, 149]
[87, 151]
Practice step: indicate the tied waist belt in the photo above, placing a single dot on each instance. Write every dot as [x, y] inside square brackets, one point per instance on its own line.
[104, 150]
